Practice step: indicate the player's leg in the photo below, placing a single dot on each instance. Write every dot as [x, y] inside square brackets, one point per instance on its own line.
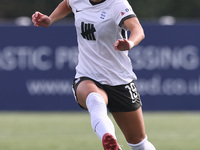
[133, 128]
[95, 100]
[86, 87]
[131, 124]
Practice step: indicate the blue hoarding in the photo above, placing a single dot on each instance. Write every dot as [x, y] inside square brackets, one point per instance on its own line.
[168, 67]
[37, 67]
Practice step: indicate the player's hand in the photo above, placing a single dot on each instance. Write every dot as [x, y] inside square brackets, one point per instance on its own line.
[40, 19]
[122, 45]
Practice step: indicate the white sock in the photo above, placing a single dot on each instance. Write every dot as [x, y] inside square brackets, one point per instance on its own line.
[143, 145]
[100, 121]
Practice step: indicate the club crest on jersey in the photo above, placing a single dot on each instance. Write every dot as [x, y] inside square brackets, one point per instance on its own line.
[103, 15]
[88, 31]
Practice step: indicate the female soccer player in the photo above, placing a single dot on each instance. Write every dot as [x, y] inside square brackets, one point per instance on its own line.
[104, 77]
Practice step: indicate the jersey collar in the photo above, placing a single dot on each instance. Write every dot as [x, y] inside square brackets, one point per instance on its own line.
[96, 3]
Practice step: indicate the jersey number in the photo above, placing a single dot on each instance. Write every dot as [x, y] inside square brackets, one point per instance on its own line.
[133, 91]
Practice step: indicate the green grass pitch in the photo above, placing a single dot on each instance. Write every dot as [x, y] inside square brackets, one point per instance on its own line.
[72, 131]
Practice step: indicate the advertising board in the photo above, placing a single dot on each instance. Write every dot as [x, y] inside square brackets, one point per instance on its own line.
[37, 67]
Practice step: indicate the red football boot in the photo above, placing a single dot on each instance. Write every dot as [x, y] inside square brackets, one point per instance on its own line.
[110, 143]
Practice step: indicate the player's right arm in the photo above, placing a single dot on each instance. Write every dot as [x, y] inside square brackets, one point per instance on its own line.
[62, 10]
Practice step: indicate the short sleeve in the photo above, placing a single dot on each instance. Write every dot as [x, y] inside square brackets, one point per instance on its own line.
[122, 11]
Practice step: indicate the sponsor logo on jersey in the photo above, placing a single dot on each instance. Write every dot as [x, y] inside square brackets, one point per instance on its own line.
[78, 10]
[125, 11]
[122, 13]
[88, 31]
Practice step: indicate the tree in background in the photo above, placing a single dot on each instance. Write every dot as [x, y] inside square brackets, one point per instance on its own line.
[17, 8]
[144, 8]
[158, 8]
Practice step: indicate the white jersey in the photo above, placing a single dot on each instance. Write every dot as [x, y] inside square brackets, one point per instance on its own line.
[98, 27]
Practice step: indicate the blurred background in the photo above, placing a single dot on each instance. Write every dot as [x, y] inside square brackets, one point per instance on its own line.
[149, 10]
[37, 67]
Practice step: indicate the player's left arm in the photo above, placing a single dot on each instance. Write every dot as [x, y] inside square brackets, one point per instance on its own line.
[136, 35]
